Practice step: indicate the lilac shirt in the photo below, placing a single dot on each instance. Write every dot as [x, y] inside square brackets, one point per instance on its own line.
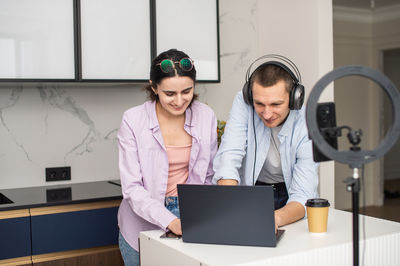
[143, 164]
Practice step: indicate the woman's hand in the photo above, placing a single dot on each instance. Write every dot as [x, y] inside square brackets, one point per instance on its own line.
[175, 227]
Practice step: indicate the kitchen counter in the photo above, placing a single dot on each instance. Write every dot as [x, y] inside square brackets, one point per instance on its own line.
[40, 223]
[32, 197]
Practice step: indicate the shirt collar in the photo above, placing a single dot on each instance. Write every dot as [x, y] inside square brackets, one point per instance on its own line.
[288, 125]
[153, 120]
[189, 118]
[151, 111]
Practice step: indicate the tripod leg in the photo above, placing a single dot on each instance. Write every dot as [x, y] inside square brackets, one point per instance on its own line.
[353, 185]
[355, 202]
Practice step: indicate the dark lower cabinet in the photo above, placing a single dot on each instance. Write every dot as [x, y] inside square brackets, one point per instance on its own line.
[75, 234]
[15, 236]
[74, 230]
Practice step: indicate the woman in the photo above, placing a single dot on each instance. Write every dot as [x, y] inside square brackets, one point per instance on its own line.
[170, 139]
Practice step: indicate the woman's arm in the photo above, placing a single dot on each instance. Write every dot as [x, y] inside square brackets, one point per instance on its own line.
[133, 189]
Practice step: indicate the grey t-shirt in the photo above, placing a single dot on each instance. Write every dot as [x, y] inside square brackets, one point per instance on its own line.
[271, 172]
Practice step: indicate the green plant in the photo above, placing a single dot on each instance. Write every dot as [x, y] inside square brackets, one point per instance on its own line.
[220, 129]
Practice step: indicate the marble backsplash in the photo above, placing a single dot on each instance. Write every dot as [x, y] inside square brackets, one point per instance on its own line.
[54, 125]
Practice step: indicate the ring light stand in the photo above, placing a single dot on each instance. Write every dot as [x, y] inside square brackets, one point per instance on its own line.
[355, 157]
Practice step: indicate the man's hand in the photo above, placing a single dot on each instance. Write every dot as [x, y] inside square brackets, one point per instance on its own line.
[289, 213]
[227, 182]
[175, 227]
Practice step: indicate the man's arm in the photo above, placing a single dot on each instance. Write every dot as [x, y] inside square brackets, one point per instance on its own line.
[304, 180]
[291, 212]
[232, 149]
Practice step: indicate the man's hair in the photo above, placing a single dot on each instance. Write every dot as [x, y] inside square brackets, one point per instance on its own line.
[268, 75]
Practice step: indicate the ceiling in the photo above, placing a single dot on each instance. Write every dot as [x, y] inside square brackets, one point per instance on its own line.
[366, 4]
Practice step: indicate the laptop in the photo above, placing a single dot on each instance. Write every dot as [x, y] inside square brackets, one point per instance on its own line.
[229, 215]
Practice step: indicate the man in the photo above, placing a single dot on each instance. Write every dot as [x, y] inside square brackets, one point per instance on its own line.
[266, 141]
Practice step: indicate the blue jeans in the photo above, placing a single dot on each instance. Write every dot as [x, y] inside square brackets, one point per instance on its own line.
[172, 204]
[280, 198]
[129, 254]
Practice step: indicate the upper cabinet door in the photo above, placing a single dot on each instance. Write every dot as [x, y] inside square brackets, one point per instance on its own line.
[191, 26]
[103, 40]
[115, 38]
[36, 39]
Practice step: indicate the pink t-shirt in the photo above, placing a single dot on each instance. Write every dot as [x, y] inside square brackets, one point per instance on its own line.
[178, 171]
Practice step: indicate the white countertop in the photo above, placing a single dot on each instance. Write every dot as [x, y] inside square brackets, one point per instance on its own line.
[295, 240]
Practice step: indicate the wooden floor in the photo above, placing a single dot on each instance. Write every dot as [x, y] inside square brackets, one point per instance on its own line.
[391, 207]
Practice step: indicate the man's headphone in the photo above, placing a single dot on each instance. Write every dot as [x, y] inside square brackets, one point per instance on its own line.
[296, 95]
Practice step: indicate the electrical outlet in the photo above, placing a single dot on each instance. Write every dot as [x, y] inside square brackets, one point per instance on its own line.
[58, 173]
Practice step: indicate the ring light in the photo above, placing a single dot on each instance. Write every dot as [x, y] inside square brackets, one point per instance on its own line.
[353, 158]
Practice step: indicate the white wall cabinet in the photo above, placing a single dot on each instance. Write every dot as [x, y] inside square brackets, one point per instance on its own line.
[193, 29]
[102, 40]
[36, 39]
[115, 39]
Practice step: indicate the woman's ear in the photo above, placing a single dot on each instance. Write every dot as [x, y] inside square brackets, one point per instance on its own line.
[154, 88]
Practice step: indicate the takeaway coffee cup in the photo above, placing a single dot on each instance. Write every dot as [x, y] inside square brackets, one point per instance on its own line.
[317, 215]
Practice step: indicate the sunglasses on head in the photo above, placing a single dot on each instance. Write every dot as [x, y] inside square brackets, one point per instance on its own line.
[168, 65]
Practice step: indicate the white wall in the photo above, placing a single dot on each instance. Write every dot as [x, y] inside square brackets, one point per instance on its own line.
[55, 125]
[386, 30]
[359, 38]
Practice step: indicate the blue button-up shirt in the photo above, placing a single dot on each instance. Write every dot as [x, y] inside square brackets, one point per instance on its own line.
[236, 154]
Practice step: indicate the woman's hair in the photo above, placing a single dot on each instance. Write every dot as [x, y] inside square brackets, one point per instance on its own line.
[157, 75]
